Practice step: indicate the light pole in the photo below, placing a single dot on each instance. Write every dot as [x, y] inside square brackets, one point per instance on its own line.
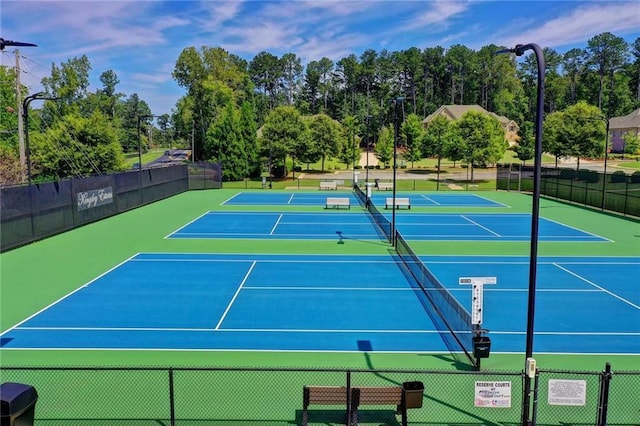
[25, 118]
[606, 155]
[396, 129]
[535, 215]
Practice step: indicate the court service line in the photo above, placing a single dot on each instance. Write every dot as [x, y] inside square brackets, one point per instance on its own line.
[483, 227]
[597, 286]
[276, 225]
[246, 276]
[290, 199]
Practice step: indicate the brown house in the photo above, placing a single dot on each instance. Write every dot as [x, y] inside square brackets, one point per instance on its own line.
[455, 112]
[620, 126]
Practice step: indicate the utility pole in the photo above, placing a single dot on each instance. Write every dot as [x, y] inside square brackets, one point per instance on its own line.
[21, 144]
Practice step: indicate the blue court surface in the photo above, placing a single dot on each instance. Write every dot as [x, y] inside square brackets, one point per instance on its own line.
[433, 199]
[246, 302]
[359, 226]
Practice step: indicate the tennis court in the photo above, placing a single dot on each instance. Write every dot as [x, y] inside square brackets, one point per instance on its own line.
[332, 303]
[358, 225]
[378, 198]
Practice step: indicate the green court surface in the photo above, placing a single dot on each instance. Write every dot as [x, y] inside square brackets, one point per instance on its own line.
[37, 275]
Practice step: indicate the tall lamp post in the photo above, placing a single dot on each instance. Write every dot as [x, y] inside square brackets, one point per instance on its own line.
[535, 215]
[25, 118]
[606, 155]
[396, 130]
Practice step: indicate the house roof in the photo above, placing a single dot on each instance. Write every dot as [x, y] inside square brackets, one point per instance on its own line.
[455, 112]
[629, 121]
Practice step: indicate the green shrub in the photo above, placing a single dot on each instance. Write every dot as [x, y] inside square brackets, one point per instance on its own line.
[635, 177]
[618, 177]
[569, 174]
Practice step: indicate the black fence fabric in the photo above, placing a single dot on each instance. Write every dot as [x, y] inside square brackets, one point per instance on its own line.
[37, 211]
[614, 191]
[276, 396]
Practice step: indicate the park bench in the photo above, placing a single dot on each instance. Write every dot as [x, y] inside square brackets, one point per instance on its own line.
[361, 396]
[337, 202]
[329, 185]
[400, 202]
[385, 186]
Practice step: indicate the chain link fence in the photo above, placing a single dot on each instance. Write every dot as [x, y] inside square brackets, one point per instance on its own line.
[254, 396]
[617, 191]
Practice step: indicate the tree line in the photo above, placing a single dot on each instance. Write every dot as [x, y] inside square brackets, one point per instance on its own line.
[258, 113]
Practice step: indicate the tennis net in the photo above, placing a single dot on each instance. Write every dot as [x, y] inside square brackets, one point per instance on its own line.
[452, 320]
[378, 217]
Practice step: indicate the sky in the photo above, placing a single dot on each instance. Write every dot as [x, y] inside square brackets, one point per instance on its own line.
[141, 40]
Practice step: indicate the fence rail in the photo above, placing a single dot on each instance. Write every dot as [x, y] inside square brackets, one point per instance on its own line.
[270, 396]
[616, 192]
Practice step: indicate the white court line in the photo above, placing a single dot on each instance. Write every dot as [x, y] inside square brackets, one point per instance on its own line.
[430, 199]
[265, 260]
[489, 199]
[597, 286]
[276, 225]
[333, 288]
[304, 330]
[187, 224]
[235, 295]
[483, 227]
[576, 229]
[229, 199]
[291, 199]
[65, 296]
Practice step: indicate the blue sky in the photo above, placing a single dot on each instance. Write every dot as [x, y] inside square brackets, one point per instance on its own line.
[141, 40]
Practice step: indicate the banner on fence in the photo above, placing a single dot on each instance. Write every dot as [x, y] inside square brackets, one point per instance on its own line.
[493, 394]
[94, 198]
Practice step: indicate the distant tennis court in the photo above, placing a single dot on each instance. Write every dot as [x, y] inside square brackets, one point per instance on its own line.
[378, 198]
[224, 302]
[358, 225]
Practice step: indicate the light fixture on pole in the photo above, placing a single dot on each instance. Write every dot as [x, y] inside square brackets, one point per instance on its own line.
[518, 50]
[4, 43]
[25, 118]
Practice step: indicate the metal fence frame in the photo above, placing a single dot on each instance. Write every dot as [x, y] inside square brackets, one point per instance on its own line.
[217, 396]
[615, 192]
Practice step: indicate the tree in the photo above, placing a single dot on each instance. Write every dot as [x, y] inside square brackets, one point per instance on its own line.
[326, 133]
[266, 71]
[483, 138]
[526, 147]
[384, 148]
[606, 53]
[631, 145]
[435, 138]
[76, 146]
[224, 144]
[282, 131]
[291, 75]
[350, 149]
[248, 135]
[412, 135]
[577, 131]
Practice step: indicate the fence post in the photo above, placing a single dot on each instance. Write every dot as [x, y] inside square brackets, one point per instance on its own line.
[172, 406]
[603, 399]
[348, 398]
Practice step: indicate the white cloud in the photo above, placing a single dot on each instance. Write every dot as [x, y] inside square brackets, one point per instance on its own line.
[582, 24]
[438, 14]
